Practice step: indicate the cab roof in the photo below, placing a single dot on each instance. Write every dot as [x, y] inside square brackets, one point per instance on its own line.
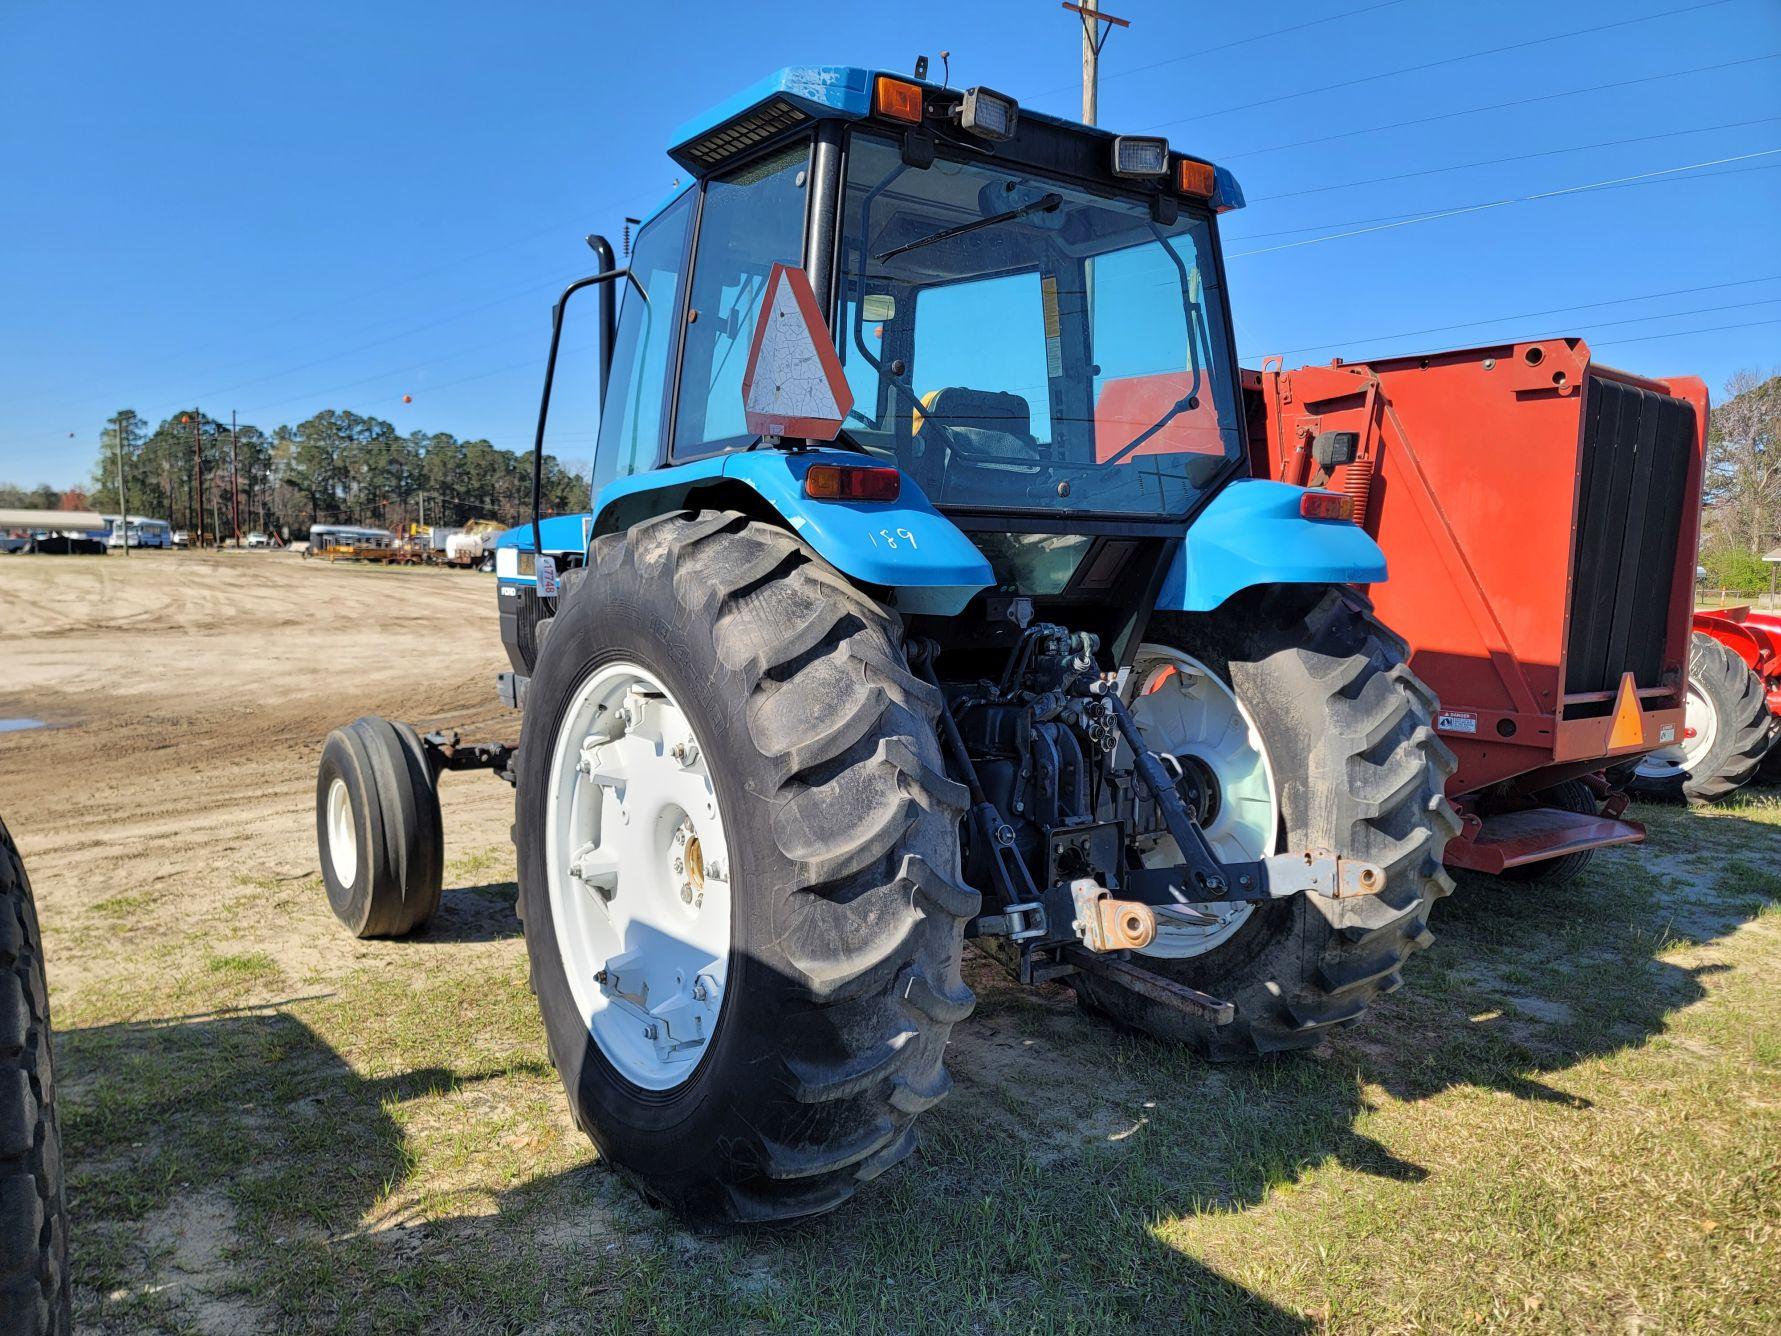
[799, 93]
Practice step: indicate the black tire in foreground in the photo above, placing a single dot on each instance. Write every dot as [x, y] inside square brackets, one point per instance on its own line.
[847, 912]
[1358, 770]
[1726, 698]
[34, 1288]
[378, 828]
[1573, 795]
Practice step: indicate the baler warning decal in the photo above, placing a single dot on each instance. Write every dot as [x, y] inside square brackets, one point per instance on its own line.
[1456, 721]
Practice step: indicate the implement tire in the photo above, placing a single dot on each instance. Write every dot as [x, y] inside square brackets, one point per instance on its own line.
[1727, 703]
[845, 910]
[1356, 768]
[378, 829]
[34, 1285]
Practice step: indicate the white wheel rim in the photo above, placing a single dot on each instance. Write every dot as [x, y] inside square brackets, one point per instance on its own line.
[638, 875]
[343, 834]
[1184, 711]
[1700, 730]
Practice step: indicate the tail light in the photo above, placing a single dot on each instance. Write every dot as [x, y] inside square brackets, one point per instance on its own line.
[1326, 506]
[838, 482]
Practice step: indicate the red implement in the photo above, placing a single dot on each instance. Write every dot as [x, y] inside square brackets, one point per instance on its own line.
[1540, 516]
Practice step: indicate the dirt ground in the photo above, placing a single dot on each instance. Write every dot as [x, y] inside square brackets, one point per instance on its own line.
[1569, 1119]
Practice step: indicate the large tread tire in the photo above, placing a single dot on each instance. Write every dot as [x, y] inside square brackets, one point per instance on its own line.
[848, 911]
[1359, 770]
[1745, 729]
[35, 1295]
[1573, 795]
[400, 864]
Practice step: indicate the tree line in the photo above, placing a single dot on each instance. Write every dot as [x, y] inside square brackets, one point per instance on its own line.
[1741, 519]
[337, 467]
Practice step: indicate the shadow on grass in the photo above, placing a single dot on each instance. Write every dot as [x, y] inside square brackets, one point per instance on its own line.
[1061, 1185]
[482, 913]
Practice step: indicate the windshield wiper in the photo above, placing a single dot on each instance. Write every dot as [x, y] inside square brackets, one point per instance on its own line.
[1044, 204]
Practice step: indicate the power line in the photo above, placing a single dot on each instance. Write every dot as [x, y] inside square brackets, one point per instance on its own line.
[1495, 106]
[1392, 217]
[1519, 157]
[1683, 333]
[1201, 52]
[1575, 329]
[1529, 315]
[1437, 64]
[1499, 203]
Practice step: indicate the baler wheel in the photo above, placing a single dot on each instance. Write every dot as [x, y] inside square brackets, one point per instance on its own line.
[378, 828]
[719, 722]
[1729, 731]
[1347, 733]
[34, 1285]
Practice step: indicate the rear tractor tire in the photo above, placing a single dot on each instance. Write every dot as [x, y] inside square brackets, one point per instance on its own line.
[34, 1283]
[1727, 730]
[378, 828]
[1294, 712]
[739, 871]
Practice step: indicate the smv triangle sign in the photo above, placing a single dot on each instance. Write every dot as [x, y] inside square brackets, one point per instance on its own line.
[793, 385]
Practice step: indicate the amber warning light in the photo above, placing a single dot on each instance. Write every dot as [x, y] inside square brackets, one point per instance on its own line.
[897, 99]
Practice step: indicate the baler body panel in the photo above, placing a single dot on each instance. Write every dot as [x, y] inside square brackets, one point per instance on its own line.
[1540, 516]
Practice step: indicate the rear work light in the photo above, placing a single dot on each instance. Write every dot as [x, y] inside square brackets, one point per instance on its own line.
[988, 114]
[897, 99]
[1326, 506]
[1196, 178]
[839, 482]
[1138, 155]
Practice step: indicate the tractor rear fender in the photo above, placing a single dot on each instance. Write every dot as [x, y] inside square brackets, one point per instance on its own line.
[1252, 533]
[903, 546]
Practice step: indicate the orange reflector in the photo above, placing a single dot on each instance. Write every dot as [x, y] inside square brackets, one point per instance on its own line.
[835, 482]
[1326, 506]
[1196, 178]
[1629, 724]
[897, 99]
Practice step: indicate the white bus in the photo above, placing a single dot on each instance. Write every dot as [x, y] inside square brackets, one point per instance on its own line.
[137, 531]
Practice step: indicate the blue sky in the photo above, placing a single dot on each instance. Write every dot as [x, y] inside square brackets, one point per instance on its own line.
[278, 209]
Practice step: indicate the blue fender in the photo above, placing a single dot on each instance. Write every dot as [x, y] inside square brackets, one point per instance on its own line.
[1253, 534]
[905, 545]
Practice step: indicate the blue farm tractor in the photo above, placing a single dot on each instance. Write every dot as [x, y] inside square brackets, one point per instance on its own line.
[1015, 654]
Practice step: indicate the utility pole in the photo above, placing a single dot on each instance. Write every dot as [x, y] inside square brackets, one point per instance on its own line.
[1094, 37]
[234, 482]
[123, 501]
[197, 481]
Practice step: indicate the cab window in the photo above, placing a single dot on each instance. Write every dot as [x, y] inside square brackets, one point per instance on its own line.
[631, 419]
[752, 219]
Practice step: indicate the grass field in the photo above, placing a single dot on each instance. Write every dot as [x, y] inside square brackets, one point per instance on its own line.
[1570, 1119]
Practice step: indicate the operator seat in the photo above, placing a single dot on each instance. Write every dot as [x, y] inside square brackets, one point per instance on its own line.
[962, 431]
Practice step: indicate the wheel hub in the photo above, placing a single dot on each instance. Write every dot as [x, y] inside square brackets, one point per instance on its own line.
[1700, 729]
[638, 876]
[1195, 722]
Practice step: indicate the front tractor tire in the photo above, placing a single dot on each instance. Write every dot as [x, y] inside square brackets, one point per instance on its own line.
[1328, 743]
[378, 829]
[739, 871]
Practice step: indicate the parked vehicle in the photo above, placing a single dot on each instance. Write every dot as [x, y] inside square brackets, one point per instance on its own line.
[258, 539]
[1539, 511]
[997, 663]
[182, 538]
[138, 531]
